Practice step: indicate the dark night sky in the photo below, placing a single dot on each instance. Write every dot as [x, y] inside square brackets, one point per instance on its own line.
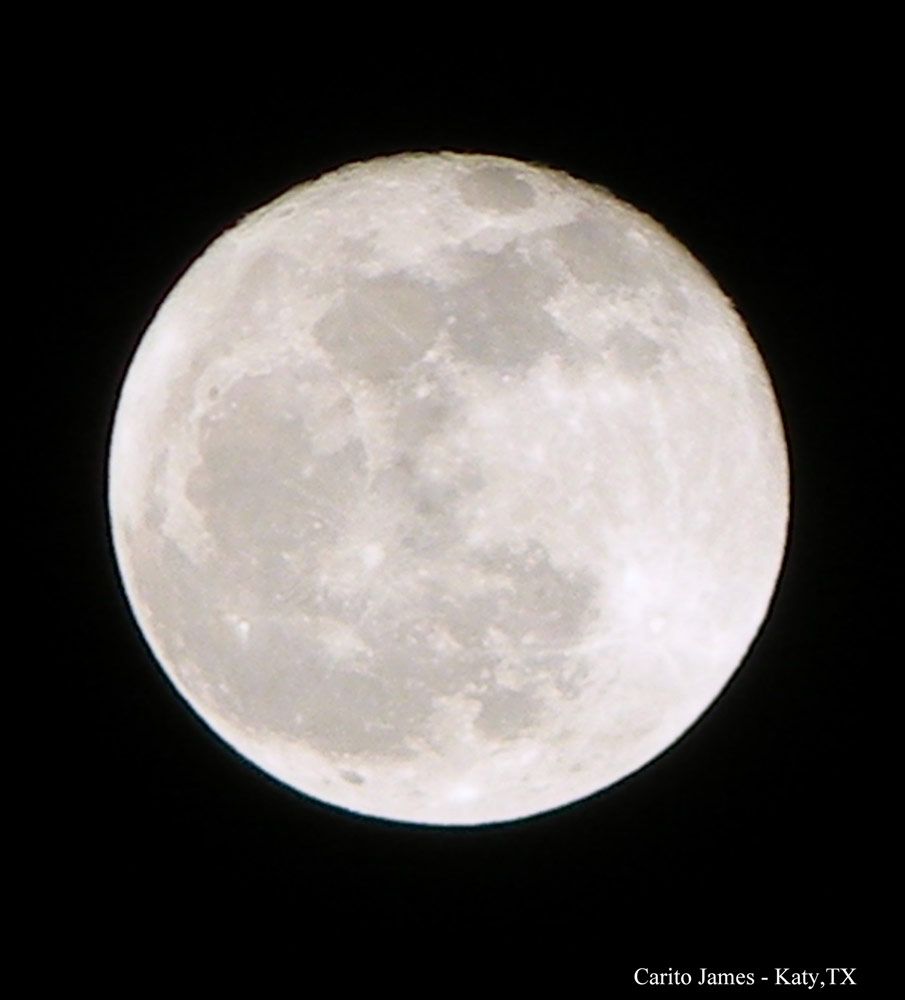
[749, 843]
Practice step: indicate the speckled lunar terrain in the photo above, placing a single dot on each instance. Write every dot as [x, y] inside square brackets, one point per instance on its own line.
[448, 488]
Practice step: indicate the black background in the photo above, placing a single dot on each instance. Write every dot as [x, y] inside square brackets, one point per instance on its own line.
[747, 845]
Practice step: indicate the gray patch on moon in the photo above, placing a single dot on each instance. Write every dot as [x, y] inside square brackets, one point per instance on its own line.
[506, 713]
[525, 598]
[635, 353]
[381, 325]
[275, 503]
[153, 511]
[498, 312]
[496, 188]
[599, 248]
[262, 484]
[595, 249]
[263, 293]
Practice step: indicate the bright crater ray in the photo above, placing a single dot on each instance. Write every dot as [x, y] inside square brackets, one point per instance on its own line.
[448, 489]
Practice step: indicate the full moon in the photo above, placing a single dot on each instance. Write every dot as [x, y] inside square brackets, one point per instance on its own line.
[448, 489]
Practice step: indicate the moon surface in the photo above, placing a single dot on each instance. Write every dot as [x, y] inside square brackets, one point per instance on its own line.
[447, 488]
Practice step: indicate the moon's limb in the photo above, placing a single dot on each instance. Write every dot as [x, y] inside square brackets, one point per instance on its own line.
[448, 489]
